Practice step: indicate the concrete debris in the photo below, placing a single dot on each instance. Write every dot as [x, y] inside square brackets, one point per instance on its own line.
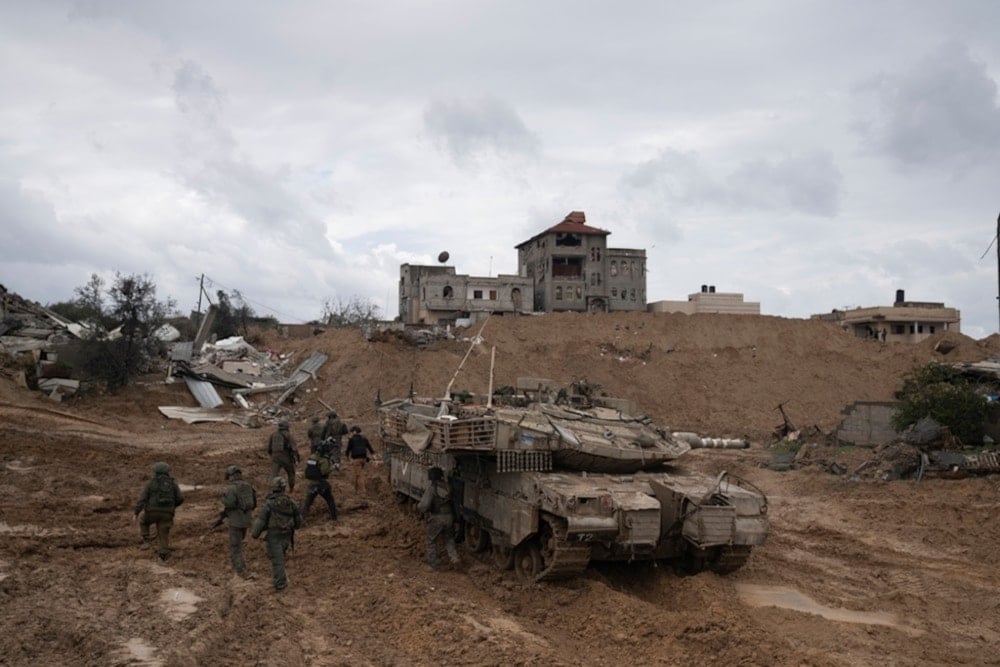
[255, 381]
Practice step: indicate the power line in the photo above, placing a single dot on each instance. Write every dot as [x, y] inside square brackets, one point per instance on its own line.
[295, 318]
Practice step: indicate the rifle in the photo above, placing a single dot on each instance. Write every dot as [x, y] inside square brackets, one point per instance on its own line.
[218, 521]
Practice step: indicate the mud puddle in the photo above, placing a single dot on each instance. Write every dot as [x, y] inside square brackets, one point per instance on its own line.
[179, 602]
[757, 595]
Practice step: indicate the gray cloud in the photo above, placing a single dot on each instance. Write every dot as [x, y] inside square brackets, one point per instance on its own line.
[466, 129]
[807, 183]
[942, 109]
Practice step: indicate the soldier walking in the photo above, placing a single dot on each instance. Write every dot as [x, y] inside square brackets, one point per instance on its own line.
[284, 453]
[279, 517]
[159, 499]
[238, 503]
[435, 504]
[334, 431]
[315, 434]
[317, 472]
[359, 452]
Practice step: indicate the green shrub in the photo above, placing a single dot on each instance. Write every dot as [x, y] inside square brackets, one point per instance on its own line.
[946, 396]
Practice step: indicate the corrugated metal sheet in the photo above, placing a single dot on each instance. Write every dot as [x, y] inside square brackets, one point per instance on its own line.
[204, 392]
[307, 369]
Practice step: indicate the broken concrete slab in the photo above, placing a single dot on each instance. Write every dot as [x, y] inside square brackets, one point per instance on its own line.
[245, 419]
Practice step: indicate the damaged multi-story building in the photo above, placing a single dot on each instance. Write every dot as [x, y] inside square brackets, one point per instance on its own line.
[567, 267]
[902, 322]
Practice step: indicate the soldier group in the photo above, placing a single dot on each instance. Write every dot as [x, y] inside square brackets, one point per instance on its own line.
[279, 516]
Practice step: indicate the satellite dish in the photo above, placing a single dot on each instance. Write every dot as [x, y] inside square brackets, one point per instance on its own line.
[443, 256]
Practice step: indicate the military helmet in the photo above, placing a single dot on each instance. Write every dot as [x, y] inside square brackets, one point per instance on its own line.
[283, 425]
[331, 414]
[233, 470]
[161, 468]
[277, 484]
[435, 473]
[315, 420]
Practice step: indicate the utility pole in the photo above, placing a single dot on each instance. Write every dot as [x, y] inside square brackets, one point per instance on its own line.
[998, 267]
[201, 290]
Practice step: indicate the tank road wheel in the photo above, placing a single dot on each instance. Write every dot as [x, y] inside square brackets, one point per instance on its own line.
[503, 556]
[477, 540]
[528, 561]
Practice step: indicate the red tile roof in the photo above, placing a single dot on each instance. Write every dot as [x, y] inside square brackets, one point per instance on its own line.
[574, 223]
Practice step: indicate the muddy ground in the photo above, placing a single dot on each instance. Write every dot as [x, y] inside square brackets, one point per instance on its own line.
[853, 572]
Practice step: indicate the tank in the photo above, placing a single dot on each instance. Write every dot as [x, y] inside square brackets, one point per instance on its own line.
[546, 481]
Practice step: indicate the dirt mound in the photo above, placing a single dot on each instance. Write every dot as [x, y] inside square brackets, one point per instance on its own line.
[854, 572]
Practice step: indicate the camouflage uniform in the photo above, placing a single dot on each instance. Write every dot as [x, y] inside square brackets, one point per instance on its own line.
[315, 434]
[436, 504]
[157, 502]
[320, 487]
[333, 432]
[279, 517]
[284, 453]
[238, 514]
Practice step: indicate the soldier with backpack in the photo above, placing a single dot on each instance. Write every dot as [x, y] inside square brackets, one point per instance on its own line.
[284, 453]
[317, 471]
[315, 434]
[333, 432]
[238, 503]
[159, 499]
[279, 517]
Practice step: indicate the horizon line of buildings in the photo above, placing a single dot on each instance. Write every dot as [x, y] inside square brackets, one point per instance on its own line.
[569, 267]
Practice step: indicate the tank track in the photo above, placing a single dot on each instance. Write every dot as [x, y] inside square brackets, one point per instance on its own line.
[730, 559]
[567, 559]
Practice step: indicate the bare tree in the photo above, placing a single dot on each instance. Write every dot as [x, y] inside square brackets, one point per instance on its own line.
[358, 311]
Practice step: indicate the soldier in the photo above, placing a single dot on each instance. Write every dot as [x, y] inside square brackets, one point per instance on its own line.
[359, 451]
[279, 517]
[435, 504]
[334, 430]
[157, 502]
[284, 453]
[238, 503]
[317, 471]
[315, 434]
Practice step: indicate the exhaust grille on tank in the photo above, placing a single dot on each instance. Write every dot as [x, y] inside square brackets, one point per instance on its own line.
[521, 461]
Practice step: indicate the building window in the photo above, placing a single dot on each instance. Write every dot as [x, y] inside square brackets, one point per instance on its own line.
[448, 292]
[632, 268]
[614, 268]
[932, 328]
[595, 254]
[632, 294]
[579, 292]
[568, 239]
[920, 328]
[558, 293]
[567, 267]
[898, 329]
[493, 295]
[477, 294]
[614, 292]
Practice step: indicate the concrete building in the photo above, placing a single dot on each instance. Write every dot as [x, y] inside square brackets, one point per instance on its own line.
[572, 268]
[437, 295]
[708, 301]
[902, 322]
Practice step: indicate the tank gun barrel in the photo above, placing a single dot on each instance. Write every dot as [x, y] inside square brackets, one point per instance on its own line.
[698, 442]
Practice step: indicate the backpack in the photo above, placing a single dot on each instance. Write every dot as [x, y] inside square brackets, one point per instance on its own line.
[161, 492]
[277, 443]
[317, 468]
[282, 513]
[246, 497]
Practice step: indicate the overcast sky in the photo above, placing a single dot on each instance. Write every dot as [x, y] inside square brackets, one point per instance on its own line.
[811, 155]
